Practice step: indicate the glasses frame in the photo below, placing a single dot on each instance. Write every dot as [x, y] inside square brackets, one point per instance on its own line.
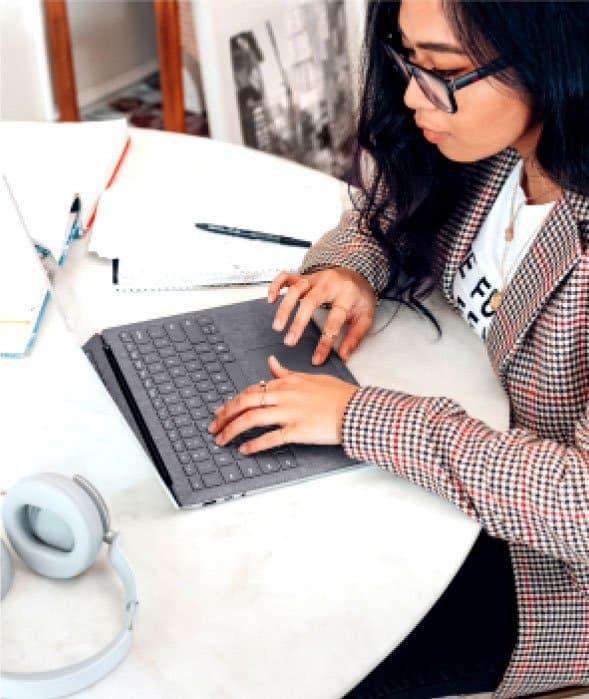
[450, 86]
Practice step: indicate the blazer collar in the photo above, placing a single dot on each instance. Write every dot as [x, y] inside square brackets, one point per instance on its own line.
[556, 249]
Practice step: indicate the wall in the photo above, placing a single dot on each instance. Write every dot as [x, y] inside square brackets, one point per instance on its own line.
[25, 87]
[113, 43]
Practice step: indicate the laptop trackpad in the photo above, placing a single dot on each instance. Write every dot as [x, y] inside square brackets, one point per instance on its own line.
[297, 358]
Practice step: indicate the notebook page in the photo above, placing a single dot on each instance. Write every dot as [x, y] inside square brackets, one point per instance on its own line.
[24, 287]
[48, 163]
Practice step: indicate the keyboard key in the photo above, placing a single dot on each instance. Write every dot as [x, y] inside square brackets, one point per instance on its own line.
[182, 421]
[214, 367]
[224, 458]
[174, 436]
[188, 392]
[125, 336]
[175, 332]
[167, 388]
[152, 393]
[156, 331]
[151, 357]
[182, 381]
[184, 458]
[204, 320]
[177, 371]
[268, 464]
[194, 365]
[193, 330]
[286, 460]
[210, 396]
[220, 347]
[172, 361]
[203, 386]
[231, 473]
[158, 403]
[209, 329]
[161, 378]
[172, 397]
[225, 387]
[202, 347]
[148, 383]
[182, 346]
[193, 443]
[200, 454]
[163, 413]
[146, 348]
[226, 357]
[178, 446]
[165, 352]
[208, 357]
[219, 377]
[199, 376]
[196, 483]
[143, 374]
[177, 409]
[187, 356]
[156, 367]
[212, 479]
[135, 354]
[249, 467]
[162, 342]
[193, 401]
[200, 414]
[130, 346]
[188, 431]
[189, 468]
[169, 424]
[207, 466]
[140, 336]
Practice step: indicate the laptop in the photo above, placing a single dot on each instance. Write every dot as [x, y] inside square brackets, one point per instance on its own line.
[167, 375]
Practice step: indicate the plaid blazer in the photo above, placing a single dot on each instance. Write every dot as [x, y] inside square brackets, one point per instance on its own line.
[530, 484]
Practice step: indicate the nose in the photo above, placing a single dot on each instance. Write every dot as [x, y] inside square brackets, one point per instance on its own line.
[415, 98]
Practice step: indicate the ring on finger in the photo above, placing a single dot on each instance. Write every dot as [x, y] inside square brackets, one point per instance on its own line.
[329, 336]
[263, 392]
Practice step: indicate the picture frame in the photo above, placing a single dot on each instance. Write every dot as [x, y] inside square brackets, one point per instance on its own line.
[282, 76]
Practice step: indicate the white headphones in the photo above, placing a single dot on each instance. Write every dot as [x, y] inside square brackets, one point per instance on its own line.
[56, 526]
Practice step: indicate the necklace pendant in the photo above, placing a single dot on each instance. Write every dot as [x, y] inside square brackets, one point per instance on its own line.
[496, 299]
[508, 235]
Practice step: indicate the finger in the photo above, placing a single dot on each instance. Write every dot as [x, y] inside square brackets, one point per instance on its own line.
[276, 285]
[297, 289]
[357, 329]
[269, 440]
[257, 417]
[254, 396]
[331, 330]
[278, 371]
[308, 305]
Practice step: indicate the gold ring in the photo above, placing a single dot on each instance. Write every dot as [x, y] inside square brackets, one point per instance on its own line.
[329, 336]
[263, 386]
[262, 399]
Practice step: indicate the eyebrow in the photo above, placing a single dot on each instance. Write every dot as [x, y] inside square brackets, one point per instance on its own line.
[435, 46]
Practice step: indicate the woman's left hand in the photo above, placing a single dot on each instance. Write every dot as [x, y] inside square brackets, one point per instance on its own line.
[308, 407]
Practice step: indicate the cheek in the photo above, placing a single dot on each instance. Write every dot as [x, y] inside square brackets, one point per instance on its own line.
[488, 120]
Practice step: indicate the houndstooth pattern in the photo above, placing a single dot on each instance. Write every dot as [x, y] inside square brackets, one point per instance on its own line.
[529, 485]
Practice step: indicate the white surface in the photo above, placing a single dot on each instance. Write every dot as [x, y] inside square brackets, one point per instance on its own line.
[295, 593]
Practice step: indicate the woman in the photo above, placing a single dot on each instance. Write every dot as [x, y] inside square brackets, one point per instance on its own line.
[475, 120]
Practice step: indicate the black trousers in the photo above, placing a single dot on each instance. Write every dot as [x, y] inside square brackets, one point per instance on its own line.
[463, 645]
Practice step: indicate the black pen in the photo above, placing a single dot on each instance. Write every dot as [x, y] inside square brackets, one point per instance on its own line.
[253, 235]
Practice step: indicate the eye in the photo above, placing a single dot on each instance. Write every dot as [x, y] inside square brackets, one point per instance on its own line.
[446, 74]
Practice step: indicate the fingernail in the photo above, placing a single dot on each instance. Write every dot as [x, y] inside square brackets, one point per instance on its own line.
[277, 325]
[316, 358]
[244, 449]
[213, 424]
[289, 339]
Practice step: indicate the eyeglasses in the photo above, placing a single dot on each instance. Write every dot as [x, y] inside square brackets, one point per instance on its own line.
[438, 90]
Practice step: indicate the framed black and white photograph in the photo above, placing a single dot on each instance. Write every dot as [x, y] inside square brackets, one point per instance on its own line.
[281, 76]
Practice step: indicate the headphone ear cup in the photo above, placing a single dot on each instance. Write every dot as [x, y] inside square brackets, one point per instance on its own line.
[6, 570]
[57, 498]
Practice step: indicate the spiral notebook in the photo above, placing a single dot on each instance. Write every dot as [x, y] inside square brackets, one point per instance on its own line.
[151, 233]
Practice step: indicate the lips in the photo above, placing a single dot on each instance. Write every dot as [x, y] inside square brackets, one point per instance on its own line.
[432, 135]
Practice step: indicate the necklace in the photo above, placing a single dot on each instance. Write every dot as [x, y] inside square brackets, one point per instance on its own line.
[508, 234]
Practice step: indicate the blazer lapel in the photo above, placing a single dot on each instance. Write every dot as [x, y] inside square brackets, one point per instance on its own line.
[457, 234]
[555, 251]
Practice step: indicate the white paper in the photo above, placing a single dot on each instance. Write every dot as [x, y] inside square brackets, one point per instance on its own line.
[153, 233]
[48, 163]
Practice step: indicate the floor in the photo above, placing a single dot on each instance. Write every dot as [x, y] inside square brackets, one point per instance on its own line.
[141, 104]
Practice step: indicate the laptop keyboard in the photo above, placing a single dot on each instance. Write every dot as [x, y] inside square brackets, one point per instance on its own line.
[186, 367]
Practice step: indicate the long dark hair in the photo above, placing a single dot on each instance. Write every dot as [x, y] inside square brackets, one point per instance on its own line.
[411, 188]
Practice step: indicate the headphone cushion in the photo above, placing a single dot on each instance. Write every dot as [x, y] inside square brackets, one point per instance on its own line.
[70, 502]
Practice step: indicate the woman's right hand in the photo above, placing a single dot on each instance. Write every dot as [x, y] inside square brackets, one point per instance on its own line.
[351, 297]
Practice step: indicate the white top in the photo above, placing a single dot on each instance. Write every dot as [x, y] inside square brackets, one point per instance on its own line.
[480, 275]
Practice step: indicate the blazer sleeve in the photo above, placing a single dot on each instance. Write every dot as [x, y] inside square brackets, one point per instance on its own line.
[519, 487]
[350, 245]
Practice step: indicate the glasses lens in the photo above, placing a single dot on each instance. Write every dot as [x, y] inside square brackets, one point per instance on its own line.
[434, 89]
